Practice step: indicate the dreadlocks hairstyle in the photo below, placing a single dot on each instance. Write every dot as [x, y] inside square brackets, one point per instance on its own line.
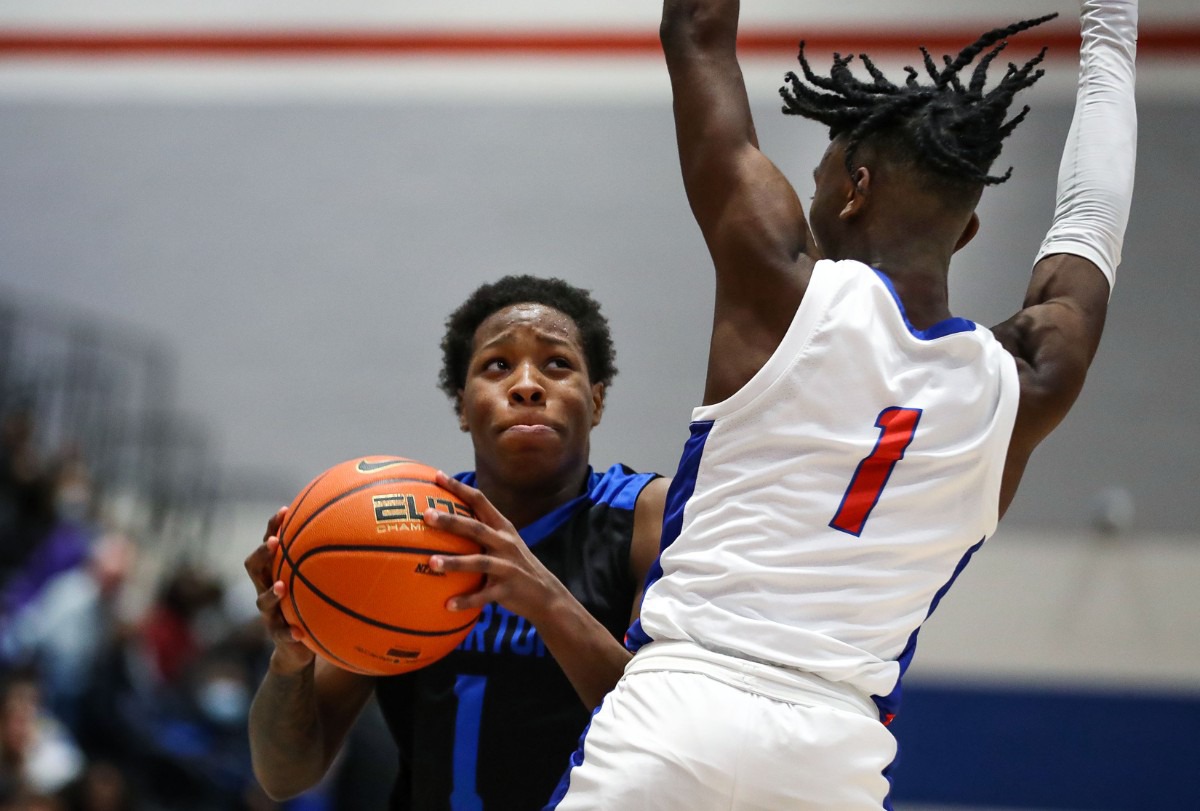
[951, 129]
[575, 302]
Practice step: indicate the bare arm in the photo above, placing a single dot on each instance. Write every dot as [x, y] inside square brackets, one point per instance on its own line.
[591, 658]
[1055, 336]
[304, 708]
[647, 537]
[749, 214]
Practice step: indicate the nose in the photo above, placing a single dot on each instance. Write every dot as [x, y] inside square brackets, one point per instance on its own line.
[526, 388]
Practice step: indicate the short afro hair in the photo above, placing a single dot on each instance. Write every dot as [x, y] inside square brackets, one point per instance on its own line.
[574, 302]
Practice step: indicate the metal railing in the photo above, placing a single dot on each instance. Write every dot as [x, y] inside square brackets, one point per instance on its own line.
[105, 394]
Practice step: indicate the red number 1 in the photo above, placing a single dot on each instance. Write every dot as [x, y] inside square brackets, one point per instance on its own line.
[896, 428]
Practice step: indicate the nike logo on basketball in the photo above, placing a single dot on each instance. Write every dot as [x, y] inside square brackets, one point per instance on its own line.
[369, 467]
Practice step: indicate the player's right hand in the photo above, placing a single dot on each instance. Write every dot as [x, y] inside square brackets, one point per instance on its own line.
[513, 576]
[291, 655]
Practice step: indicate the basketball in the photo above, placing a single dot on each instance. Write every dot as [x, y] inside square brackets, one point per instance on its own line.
[354, 554]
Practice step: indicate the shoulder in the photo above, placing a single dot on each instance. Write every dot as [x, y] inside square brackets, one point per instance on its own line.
[645, 495]
[834, 278]
[653, 498]
[620, 486]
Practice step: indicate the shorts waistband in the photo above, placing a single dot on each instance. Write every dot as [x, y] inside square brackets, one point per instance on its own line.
[771, 681]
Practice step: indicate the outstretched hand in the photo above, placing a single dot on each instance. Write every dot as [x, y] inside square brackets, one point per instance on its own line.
[291, 655]
[513, 576]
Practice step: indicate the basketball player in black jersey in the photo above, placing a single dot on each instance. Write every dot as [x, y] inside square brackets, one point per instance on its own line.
[527, 362]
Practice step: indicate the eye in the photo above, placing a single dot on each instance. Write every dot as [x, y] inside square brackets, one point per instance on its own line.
[561, 365]
[496, 365]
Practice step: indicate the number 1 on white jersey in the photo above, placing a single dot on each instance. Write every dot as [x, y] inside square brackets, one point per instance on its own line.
[896, 428]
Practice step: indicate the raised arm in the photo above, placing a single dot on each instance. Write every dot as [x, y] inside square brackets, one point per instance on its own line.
[1055, 336]
[749, 214]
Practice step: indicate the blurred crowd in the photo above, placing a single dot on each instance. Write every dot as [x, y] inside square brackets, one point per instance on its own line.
[108, 703]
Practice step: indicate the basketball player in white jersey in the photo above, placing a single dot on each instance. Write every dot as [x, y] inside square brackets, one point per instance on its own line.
[857, 441]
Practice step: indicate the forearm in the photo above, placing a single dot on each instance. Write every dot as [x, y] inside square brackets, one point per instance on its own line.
[286, 745]
[722, 168]
[1095, 180]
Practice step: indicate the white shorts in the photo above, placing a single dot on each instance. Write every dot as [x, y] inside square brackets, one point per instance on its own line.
[688, 730]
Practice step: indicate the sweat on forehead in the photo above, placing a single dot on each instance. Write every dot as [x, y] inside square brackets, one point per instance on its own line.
[541, 318]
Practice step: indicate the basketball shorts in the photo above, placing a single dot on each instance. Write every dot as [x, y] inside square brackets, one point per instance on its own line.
[690, 730]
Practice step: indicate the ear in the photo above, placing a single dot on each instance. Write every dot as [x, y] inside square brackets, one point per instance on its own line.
[597, 403]
[857, 193]
[969, 232]
[462, 413]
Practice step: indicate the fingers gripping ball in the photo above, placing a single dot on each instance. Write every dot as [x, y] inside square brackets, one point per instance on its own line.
[354, 554]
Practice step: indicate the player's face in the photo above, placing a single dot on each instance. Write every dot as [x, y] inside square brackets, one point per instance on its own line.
[528, 402]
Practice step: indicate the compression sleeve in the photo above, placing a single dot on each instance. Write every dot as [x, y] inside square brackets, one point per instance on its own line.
[1095, 177]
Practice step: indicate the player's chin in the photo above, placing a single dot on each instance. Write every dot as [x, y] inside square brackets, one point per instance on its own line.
[528, 464]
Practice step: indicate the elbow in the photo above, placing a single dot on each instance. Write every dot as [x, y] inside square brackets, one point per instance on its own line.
[280, 788]
[277, 792]
[284, 777]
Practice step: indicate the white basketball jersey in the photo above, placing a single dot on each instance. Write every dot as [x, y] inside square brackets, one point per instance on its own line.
[819, 514]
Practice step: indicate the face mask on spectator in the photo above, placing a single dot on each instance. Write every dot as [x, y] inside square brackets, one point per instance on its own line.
[224, 701]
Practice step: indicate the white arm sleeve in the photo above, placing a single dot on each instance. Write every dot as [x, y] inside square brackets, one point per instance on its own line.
[1095, 178]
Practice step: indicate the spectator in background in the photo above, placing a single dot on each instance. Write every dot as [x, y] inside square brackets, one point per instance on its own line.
[26, 492]
[65, 628]
[65, 530]
[37, 755]
[169, 631]
[32, 802]
[102, 787]
[168, 707]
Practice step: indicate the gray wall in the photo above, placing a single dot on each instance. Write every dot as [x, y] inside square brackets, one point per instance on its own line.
[300, 257]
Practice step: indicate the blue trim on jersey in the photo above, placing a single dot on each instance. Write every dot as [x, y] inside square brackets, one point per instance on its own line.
[469, 690]
[678, 494]
[889, 705]
[939, 330]
[888, 770]
[618, 487]
[564, 782]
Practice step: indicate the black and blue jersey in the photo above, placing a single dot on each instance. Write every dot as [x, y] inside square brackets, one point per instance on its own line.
[492, 725]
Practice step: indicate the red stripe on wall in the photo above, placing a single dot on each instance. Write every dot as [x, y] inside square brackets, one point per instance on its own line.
[1172, 41]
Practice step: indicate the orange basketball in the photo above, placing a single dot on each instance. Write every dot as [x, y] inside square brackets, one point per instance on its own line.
[354, 554]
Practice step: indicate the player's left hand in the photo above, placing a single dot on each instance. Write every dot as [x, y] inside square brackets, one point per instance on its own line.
[514, 577]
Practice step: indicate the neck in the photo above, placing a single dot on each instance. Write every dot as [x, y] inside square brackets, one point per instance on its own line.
[523, 502]
[909, 231]
[918, 269]
[924, 294]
